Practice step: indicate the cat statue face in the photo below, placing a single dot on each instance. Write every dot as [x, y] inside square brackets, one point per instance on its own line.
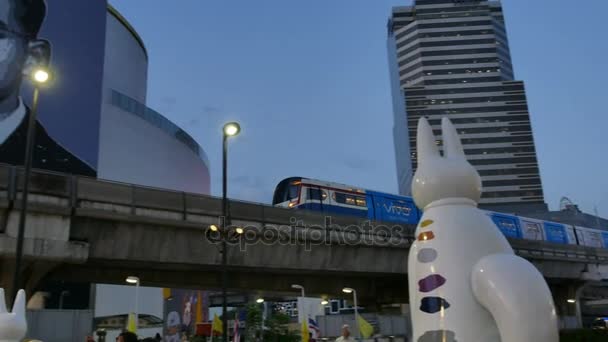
[448, 176]
[13, 325]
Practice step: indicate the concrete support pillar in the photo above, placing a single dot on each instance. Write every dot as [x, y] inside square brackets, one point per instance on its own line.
[567, 300]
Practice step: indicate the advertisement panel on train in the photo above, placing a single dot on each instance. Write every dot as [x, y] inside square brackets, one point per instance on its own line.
[393, 209]
[508, 225]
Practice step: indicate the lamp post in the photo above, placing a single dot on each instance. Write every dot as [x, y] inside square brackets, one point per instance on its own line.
[61, 296]
[39, 77]
[354, 292]
[300, 287]
[230, 129]
[135, 280]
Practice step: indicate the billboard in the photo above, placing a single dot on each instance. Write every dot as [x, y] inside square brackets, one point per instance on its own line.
[67, 36]
[183, 309]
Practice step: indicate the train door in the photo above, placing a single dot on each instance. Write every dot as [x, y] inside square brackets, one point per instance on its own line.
[589, 237]
[315, 197]
[531, 229]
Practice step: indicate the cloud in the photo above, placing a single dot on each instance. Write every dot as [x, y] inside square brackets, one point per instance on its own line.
[212, 111]
[247, 188]
[359, 163]
[169, 100]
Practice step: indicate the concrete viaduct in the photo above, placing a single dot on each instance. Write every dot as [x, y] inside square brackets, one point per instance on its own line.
[89, 230]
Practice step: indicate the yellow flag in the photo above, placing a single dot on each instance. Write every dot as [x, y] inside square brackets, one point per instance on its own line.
[366, 329]
[131, 326]
[217, 324]
[199, 307]
[305, 334]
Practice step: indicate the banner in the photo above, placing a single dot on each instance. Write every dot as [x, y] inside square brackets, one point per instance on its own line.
[308, 310]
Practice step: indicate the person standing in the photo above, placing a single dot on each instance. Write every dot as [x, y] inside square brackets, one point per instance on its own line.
[345, 335]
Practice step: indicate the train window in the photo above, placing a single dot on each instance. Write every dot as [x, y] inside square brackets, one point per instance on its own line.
[293, 191]
[350, 199]
[316, 194]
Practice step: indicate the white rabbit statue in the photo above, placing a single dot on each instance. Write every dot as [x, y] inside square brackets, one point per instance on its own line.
[13, 325]
[465, 282]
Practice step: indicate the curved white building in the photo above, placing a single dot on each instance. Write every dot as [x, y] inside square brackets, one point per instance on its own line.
[137, 144]
[98, 111]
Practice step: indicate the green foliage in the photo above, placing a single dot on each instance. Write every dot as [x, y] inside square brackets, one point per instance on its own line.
[254, 322]
[583, 335]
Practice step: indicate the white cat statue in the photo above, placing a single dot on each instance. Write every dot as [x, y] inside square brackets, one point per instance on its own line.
[13, 325]
[465, 282]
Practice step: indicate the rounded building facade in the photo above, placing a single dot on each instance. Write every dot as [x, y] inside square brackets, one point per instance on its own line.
[137, 144]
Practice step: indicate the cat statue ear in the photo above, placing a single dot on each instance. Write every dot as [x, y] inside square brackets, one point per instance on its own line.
[13, 325]
[439, 177]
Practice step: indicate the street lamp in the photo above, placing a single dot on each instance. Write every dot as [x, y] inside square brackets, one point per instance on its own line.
[354, 292]
[39, 77]
[135, 280]
[324, 302]
[259, 300]
[299, 287]
[61, 296]
[230, 129]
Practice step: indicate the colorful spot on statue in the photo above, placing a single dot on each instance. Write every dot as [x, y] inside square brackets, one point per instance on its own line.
[438, 336]
[433, 304]
[426, 236]
[427, 255]
[430, 283]
[426, 223]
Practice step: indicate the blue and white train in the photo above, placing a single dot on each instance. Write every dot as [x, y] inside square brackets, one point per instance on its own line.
[327, 197]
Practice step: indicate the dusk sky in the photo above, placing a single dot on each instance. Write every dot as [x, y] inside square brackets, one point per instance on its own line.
[309, 83]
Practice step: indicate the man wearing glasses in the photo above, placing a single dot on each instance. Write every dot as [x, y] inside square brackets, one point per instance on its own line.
[20, 53]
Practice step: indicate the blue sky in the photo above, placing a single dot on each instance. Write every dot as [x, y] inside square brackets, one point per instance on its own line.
[308, 80]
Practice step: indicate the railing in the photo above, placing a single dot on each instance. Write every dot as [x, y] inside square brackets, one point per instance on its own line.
[84, 196]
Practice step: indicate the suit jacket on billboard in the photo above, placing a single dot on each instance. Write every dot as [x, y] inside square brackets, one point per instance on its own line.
[48, 154]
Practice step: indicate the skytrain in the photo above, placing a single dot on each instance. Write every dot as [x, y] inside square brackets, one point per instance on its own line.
[335, 198]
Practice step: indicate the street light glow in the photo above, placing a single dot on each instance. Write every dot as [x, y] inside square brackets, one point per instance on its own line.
[324, 302]
[231, 129]
[41, 76]
[259, 300]
[347, 290]
[132, 280]
[213, 228]
[296, 286]
[239, 230]
[571, 300]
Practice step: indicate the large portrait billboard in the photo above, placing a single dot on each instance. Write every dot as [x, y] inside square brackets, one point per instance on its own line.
[68, 36]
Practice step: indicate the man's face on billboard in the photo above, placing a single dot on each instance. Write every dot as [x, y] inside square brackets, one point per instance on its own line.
[13, 47]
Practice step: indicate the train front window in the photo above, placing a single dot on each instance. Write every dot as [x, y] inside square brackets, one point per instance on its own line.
[293, 191]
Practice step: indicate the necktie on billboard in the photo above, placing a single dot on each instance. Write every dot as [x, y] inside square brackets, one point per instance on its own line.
[217, 324]
[131, 326]
[237, 337]
[366, 329]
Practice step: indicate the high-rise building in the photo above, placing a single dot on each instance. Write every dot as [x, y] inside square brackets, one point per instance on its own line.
[451, 58]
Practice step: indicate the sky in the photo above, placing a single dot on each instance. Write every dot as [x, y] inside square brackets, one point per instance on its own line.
[309, 83]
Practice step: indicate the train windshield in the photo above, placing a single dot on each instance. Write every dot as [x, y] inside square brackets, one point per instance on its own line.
[288, 189]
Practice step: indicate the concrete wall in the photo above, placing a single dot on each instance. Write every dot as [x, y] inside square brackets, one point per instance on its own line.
[59, 325]
[384, 325]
